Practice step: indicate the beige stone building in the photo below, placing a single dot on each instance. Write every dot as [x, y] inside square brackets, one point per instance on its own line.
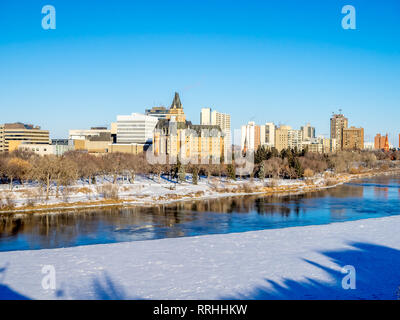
[176, 137]
[14, 134]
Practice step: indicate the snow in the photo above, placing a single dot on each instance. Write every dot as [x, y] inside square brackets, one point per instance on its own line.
[144, 190]
[290, 263]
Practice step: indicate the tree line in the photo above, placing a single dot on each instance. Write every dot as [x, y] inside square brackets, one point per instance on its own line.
[24, 166]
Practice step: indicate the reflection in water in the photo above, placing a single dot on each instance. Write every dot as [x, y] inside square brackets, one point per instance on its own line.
[367, 198]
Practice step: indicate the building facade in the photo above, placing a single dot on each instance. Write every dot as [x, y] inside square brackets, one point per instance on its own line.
[176, 137]
[223, 120]
[308, 132]
[135, 128]
[14, 134]
[267, 135]
[158, 112]
[338, 123]
[353, 138]
[250, 137]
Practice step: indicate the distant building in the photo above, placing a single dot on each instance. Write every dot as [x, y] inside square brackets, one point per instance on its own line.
[14, 134]
[83, 134]
[250, 137]
[381, 142]
[338, 123]
[177, 137]
[308, 132]
[267, 135]
[319, 145]
[62, 146]
[94, 144]
[282, 137]
[158, 112]
[135, 128]
[223, 120]
[353, 138]
[205, 116]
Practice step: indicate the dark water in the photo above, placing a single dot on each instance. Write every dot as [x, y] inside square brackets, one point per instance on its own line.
[368, 198]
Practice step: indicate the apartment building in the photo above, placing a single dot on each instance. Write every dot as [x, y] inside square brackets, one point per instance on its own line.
[338, 123]
[267, 135]
[223, 120]
[353, 138]
[308, 132]
[381, 142]
[250, 137]
[14, 134]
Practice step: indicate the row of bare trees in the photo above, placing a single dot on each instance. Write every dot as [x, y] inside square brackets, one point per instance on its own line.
[24, 166]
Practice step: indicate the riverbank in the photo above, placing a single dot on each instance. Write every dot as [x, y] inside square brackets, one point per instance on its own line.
[291, 263]
[148, 192]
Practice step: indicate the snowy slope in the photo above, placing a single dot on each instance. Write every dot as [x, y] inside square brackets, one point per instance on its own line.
[294, 263]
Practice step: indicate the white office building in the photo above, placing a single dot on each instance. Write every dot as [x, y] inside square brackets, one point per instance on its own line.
[135, 128]
[267, 135]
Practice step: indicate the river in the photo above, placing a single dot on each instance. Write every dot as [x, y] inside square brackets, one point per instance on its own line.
[361, 199]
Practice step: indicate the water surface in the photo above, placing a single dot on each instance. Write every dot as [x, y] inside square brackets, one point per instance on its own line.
[362, 199]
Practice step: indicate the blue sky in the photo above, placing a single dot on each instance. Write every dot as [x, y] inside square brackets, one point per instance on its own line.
[284, 61]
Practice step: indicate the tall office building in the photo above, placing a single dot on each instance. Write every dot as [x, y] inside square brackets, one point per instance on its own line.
[223, 120]
[353, 138]
[267, 135]
[338, 123]
[14, 134]
[250, 137]
[308, 132]
[135, 128]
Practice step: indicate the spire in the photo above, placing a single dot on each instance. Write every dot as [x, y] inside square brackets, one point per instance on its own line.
[176, 104]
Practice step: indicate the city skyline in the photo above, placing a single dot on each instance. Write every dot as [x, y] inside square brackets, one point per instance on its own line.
[124, 58]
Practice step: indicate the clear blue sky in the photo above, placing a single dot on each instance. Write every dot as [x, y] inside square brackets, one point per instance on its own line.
[284, 61]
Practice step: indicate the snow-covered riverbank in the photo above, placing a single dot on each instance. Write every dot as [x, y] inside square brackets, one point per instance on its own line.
[291, 263]
[147, 191]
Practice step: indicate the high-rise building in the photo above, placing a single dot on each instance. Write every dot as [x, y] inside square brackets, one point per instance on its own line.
[223, 120]
[135, 128]
[338, 123]
[381, 141]
[250, 137]
[267, 135]
[282, 137]
[14, 134]
[176, 137]
[353, 138]
[205, 116]
[308, 132]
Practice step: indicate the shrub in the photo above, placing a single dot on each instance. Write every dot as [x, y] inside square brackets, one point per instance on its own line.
[108, 191]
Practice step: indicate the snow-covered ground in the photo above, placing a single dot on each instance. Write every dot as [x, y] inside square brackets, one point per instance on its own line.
[291, 263]
[143, 190]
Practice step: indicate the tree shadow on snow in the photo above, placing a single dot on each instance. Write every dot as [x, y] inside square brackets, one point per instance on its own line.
[102, 288]
[6, 293]
[377, 270]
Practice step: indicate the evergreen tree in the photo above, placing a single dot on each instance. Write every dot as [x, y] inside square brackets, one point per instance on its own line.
[261, 172]
[231, 172]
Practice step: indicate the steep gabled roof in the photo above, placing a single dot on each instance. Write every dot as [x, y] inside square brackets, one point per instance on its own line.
[176, 104]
